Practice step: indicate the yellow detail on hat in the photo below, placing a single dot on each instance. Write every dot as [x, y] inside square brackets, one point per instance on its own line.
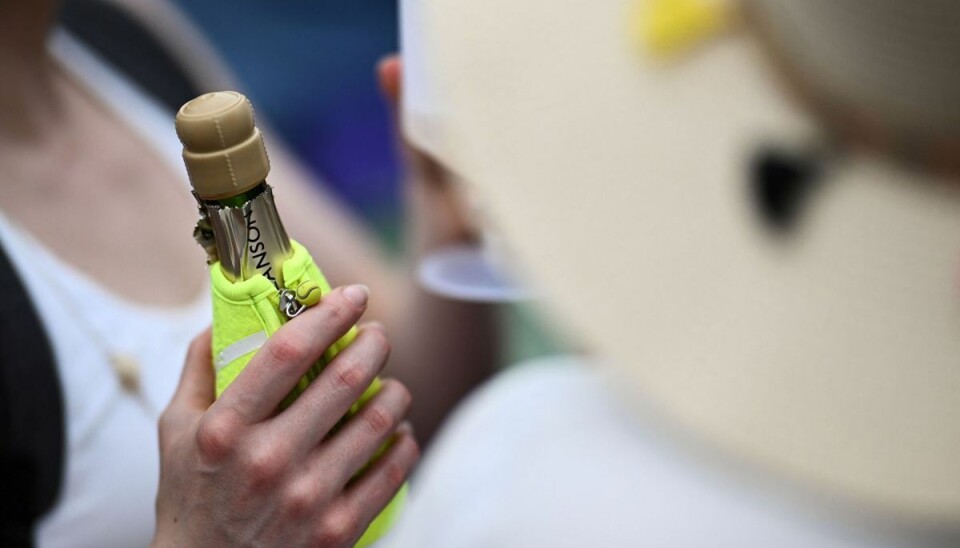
[665, 28]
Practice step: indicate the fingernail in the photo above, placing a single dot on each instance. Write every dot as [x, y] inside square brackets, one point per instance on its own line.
[376, 325]
[386, 60]
[382, 63]
[405, 428]
[357, 294]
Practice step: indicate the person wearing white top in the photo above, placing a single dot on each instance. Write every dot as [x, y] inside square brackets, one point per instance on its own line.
[95, 216]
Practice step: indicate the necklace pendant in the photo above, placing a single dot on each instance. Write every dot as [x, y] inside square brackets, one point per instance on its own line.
[127, 369]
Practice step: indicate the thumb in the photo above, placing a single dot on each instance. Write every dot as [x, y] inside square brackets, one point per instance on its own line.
[196, 389]
[389, 71]
[389, 77]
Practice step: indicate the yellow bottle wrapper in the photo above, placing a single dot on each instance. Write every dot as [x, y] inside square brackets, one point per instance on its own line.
[247, 312]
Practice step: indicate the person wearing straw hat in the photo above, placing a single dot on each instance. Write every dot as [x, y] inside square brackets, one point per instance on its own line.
[750, 212]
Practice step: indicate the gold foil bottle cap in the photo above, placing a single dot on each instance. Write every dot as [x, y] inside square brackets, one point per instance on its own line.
[222, 148]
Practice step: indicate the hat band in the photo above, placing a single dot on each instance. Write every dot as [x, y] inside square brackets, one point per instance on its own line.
[851, 125]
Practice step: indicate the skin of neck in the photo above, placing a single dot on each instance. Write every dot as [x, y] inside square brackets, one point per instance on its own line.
[28, 98]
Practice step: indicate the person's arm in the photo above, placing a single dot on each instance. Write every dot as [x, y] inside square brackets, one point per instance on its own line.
[236, 472]
[442, 348]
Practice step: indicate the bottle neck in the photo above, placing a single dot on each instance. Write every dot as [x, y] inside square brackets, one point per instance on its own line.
[242, 198]
[250, 238]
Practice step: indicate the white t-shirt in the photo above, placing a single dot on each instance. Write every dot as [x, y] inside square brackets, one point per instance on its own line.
[112, 459]
[545, 456]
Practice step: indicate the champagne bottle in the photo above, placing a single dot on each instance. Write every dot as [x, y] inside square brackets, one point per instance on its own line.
[244, 239]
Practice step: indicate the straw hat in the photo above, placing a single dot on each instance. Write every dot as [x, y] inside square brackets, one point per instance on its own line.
[651, 189]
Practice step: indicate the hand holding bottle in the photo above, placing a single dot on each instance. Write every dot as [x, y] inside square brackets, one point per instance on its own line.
[235, 471]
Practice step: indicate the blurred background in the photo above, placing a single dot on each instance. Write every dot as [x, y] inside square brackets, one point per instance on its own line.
[310, 68]
[308, 65]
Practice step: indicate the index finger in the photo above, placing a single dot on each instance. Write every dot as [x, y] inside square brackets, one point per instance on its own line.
[290, 352]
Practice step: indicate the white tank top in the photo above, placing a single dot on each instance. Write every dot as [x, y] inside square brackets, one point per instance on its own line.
[112, 459]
